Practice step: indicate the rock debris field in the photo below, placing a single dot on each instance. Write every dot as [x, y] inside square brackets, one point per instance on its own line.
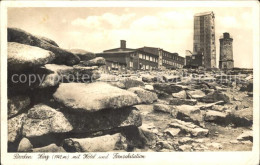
[61, 101]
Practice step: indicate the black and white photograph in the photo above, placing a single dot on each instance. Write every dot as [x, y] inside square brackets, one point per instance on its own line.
[114, 82]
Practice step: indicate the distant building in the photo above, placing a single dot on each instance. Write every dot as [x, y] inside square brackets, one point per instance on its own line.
[193, 60]
[119, 58]
[166, 59]
[226, 52]
[204, 38]
[145, 58]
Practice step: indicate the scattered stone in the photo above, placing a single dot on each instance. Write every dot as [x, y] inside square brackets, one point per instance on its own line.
[215, 97]
[15, 127]
[25, 145]
[171, 78]
[49, 148]
[130, 83]
[214, 145]
[216, 117]
[165, 145]
[148, 134]
[234, 142]
[167, 88]
[172, 131]
[83, 54]
[247, 87]
[186, 140]
[94, 96]
[190, 114]
[98, 61]
[98, 144]
[250, 94]
[242, 117]
[162, 108]
[211, 105]
[145, 96]
[24, 57]
[188, 127]
[196, 94]
[248, 135]
[149, 87]
[108, 78]
[151, 78]
[16, 104]
[185, 148]
[177, 101]
[42, 120]
[180, 95]
[61, 56]
[118, 84]
[144, 109]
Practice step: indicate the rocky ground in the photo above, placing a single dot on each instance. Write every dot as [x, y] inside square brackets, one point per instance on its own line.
[71, 105]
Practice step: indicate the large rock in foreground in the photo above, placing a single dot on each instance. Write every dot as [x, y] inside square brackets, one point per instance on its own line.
[17, 103]
[94, 96]
[24, 57]
[103, 120]
[49, 148]
[61, 56]
[42, 120]
[96, 144]
[15, 128]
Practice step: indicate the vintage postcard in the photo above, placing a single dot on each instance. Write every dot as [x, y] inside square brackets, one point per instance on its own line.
[130, 82]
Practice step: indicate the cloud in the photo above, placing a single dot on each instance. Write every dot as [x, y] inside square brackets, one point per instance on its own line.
[164, 20]
[107, 20]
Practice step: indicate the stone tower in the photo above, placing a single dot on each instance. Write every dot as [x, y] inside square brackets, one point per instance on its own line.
[226, 52]
[204, 38]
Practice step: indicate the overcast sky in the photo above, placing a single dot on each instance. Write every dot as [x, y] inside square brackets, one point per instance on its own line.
[98, 29]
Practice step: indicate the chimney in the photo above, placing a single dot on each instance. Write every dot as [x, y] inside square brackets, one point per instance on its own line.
[122, 44]
[226, 35]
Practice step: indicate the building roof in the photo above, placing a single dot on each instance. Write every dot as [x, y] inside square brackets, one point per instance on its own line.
[204, 13]
[119, 50]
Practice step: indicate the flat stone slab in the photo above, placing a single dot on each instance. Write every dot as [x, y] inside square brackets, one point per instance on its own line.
[62, 56]
[24, 57]
[178, 101]
[94, 96]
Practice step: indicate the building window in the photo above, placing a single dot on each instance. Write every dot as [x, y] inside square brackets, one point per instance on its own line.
[143, 56]
[140, 55]
[147, 57]
[193, 57]
[147, 67]
[131, 64]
